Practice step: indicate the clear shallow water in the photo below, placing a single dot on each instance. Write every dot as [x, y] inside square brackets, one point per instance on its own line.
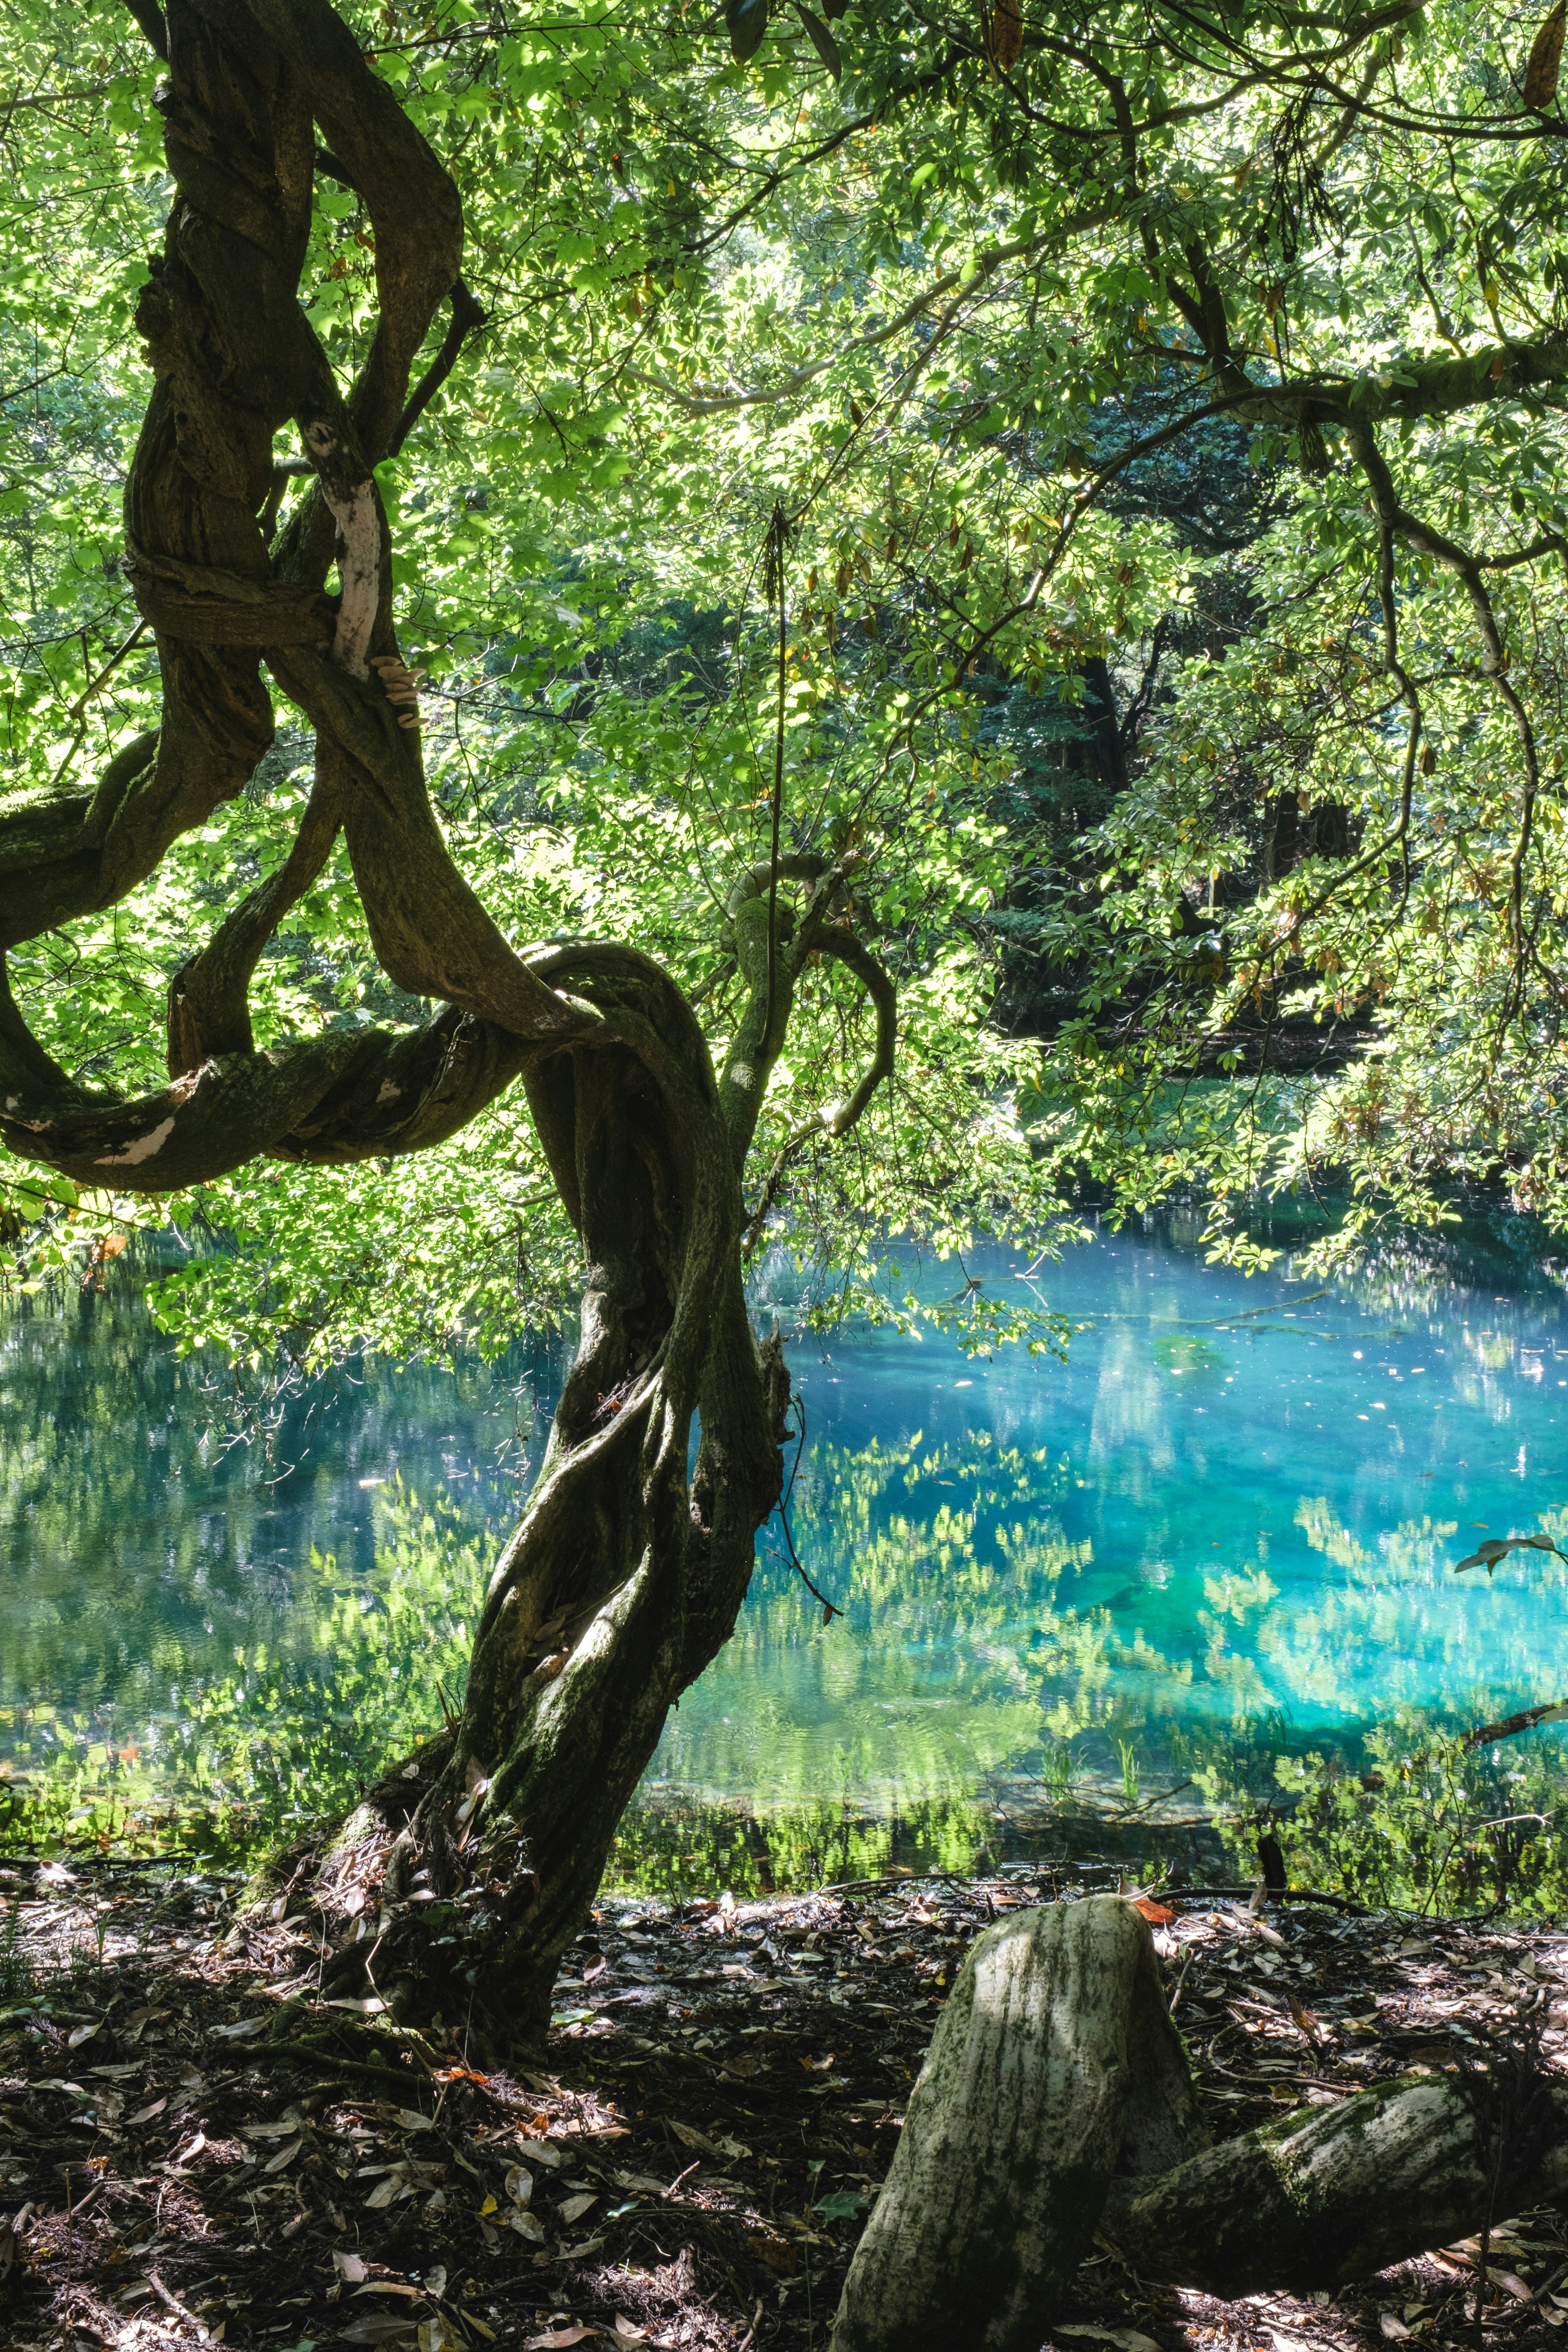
[1238, 1501]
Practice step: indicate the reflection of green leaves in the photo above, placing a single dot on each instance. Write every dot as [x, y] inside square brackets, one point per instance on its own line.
[1429, 1824]
[294, 1731]
[671, 1844]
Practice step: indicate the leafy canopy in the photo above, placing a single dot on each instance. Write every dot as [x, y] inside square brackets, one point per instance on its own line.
[1219, 348]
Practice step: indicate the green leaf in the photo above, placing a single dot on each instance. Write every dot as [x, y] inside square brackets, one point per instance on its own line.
[822, 40]
[747, 21]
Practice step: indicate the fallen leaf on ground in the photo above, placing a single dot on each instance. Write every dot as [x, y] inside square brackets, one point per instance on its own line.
[379, 2327]
[576, 2206]
[239, 2030]
[1392, 2327]
[1155, 1913]
[81, 2034]
[555, 2339]
[145, 2114]
[435, 2280]
[285, 2156]
[628, 2331]
[390, 2287]
[349, 2266]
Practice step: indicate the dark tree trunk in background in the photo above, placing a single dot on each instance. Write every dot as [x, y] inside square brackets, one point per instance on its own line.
[1107, 753]
[1280, 843]
[1330, 831]
[1289, 836]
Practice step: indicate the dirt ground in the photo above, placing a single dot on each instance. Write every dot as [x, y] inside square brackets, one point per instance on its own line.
[193, 2151]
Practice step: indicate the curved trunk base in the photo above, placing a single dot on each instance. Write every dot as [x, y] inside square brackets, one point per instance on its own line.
[457, 1883]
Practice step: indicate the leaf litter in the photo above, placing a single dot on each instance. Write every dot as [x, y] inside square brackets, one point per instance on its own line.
[721, 2098]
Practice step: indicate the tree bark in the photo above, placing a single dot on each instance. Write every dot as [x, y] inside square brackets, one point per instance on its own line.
[1056, 2108]
[1329, 2194]
[1054, 2063]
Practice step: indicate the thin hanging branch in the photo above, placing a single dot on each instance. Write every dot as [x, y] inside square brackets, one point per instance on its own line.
[779, 531]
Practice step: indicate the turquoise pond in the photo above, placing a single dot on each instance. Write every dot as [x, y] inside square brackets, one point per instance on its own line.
[1239, 1502]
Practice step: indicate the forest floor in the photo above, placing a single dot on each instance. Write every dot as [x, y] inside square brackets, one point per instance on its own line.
[192, 2152]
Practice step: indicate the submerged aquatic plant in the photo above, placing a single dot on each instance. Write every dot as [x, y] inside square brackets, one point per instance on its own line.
[1128, 1757]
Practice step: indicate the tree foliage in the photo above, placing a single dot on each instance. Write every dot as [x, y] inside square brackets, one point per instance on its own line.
[1041, 358]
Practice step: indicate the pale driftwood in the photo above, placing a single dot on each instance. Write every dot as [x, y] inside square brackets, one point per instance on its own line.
[1325, 2195]
[1055, 2062]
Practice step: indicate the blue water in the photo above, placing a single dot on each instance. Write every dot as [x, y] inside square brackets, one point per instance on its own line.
[1236, 1501]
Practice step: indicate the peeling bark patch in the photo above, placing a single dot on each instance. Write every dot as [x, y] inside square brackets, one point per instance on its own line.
[388, 1093]
[359, 567]
[145, 1148]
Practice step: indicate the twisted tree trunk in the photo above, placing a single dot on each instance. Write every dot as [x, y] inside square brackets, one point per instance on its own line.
[623, 1580]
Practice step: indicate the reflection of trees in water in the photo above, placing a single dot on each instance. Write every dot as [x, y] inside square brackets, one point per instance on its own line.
[968, 1661]
[965, 1654]
[137, 1551]
[286, 1731]
[959, 1660]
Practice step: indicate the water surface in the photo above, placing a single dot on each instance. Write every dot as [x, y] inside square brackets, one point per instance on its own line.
[1237, 1502]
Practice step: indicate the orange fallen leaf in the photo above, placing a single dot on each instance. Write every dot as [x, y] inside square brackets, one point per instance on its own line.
[1153, 1912]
